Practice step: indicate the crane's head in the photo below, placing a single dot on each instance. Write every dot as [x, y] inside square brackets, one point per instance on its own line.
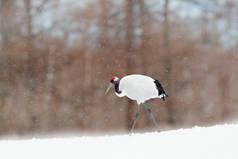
[113, 81]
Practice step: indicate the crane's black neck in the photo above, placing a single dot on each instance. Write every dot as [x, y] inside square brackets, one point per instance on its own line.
[116, 84]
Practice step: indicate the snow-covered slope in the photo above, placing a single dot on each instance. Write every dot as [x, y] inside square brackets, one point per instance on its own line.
[218, 142]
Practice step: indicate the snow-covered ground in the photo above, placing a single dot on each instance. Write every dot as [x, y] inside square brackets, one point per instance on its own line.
[217, 142]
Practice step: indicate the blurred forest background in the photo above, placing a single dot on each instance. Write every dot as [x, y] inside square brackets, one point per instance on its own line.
[57, 58]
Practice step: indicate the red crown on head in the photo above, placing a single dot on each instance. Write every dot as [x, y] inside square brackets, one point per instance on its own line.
[113, 78]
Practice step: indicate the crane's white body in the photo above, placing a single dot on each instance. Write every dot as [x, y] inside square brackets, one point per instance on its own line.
[138, 87]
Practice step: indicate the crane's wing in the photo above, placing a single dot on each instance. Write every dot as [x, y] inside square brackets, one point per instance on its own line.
[141, 87]
[162, 93]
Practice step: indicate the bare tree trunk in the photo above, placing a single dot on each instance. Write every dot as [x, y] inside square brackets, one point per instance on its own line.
[88, 71]
[50, 76]
[224, 87]
[129, 51]
[29, 37]
[3, 22]
[27, 64]
[50, 70]
[168, 62]
[104, 17]
[28, 6]
[144, 15]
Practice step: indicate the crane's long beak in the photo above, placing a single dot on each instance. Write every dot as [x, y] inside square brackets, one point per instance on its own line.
[108, 88]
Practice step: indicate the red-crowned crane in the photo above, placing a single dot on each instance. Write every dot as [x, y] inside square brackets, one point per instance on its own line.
[140, 88]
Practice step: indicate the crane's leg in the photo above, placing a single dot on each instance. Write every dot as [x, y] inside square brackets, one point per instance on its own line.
[137, 115]
[151, 116]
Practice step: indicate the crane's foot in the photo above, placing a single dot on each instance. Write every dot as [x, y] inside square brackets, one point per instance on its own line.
[130, 133]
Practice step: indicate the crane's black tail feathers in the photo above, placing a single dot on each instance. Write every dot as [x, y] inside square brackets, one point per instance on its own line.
[162, 94]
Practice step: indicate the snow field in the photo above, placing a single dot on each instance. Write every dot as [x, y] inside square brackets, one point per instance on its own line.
[217, 142]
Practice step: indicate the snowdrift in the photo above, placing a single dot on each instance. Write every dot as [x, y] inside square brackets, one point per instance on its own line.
[217, 142]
